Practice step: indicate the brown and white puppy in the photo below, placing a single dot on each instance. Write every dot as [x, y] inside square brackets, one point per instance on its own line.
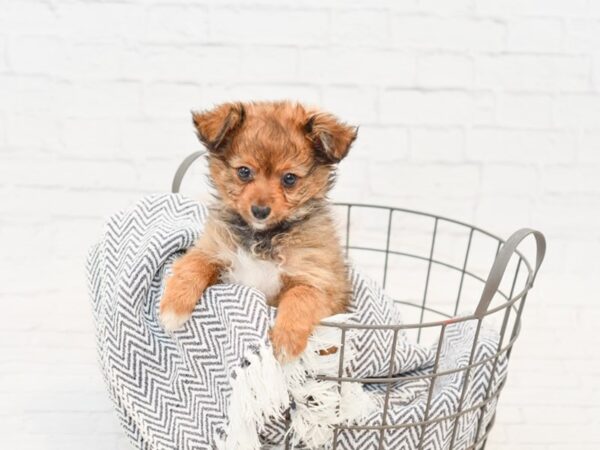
[272, 164]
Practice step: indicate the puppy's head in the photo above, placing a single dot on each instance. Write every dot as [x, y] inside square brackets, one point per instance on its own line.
[269, 160]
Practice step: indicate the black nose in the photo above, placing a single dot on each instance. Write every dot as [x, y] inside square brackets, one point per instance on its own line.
[260, 212]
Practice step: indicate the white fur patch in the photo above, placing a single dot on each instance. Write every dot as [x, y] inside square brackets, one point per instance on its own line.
[254, 272]
[173, 321]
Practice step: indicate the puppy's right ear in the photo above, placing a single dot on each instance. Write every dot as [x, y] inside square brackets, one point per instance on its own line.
[216, 126]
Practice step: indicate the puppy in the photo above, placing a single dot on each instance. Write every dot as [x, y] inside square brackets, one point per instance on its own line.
[270, 227]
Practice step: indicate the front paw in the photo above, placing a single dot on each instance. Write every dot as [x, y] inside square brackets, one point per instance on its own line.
[171, 319]
[288, 341]
[177, 304]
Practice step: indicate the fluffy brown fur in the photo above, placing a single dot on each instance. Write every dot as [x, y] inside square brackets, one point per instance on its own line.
[297, 238]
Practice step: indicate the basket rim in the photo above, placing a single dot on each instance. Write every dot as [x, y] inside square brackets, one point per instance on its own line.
[450, 319]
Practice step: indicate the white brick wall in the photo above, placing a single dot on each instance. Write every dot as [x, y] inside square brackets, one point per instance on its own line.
[483, 110]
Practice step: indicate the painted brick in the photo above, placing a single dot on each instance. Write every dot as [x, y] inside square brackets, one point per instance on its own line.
[535, 34]
[50, 173]
[437, 144]
[572, 179]
[102, 22]
[579, 110]
[582, 34]
[266, 63]
[28, 18]
[360, 28]
[365, 66]
[176, 23]
[266, 26]
[426, 179]
[515, 210]
[533, 7]
[481, 110]
[447, 33]
[307, 92]
[37, 55]
[354, 105]
[596, 73]
[2, 130]
[47, 136]
[524, 72]
[590, 147]
[445, 70]
[455, 7]
[527, 146]
[145, 139]
[97, 138]
[170, 100]
[27, 94]
[569, 215]
[509, 179]
[435, 107]
[376, 143]
[183, 63]
[94, 61]
[102, 100]
[3, 54]
[526, 110]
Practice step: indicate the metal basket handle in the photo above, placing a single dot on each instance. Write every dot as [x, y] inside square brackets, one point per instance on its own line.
[502, 260]
[183, 168]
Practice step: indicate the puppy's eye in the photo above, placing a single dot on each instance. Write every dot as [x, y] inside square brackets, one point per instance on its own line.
[289, 179]
[244, 173]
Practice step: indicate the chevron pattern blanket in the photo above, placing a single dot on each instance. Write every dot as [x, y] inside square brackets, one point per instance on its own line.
[215, 383]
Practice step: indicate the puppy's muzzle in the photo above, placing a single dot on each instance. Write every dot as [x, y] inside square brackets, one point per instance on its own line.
[260, 212]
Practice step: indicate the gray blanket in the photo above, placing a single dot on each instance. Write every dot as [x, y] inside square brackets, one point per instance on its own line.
[215, 383]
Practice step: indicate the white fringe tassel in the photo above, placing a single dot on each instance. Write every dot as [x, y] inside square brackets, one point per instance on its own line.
[321, 405]
[258, 392]
[263, 389]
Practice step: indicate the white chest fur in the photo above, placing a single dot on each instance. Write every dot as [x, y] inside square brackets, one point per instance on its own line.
[249, 270]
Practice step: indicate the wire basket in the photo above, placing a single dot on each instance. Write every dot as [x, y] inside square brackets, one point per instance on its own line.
[434, 268]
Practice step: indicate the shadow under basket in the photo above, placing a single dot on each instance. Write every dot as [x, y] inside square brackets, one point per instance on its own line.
[435, 269]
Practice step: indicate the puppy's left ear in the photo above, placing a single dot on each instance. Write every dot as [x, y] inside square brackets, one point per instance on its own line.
[331, 138]
[216, 126]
